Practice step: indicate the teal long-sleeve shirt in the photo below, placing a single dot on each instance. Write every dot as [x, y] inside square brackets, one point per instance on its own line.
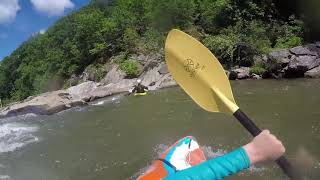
[216, 168]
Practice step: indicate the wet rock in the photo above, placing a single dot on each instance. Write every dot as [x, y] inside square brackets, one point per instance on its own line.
[296, 72]
[232, 75]
[242, 72]
[255, 76]
[44, 104]
[313, 73]
[112, 89]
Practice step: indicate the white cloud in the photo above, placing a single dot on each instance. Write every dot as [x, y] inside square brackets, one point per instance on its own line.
[42, 31]
[8, 10]
[52, 7]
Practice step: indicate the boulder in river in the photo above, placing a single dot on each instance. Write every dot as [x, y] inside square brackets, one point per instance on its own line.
[242, 72]
[112, 89]
[313, 73]
[299, 65]
[44, 104]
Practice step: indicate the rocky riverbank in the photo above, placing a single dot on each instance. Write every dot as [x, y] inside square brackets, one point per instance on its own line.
[302, 61]
[297, 62]
[155, 77]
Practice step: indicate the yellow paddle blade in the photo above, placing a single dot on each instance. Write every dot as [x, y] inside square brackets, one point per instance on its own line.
[199, 73]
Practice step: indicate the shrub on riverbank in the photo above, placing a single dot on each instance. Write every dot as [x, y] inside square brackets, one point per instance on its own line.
[131, 68]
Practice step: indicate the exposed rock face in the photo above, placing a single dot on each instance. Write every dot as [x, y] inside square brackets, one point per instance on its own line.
[307, 62]
[313, 73]
[242, 72]
[112, 89]
[113, 76]
[81, 91]
[299, 65]
[114, 83]
[163, 69]
[294, 62]
[151, 76]
[44, 104]
[282, 56]
[302, 51]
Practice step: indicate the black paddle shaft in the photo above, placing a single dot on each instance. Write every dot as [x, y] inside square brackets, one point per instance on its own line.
[254, 130]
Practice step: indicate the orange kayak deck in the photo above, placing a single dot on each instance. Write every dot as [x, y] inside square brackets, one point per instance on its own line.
[183, 154]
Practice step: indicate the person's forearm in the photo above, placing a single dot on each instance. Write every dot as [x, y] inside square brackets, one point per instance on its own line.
[217, 168]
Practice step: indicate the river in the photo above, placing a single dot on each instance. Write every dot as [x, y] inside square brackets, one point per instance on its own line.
[118, 137]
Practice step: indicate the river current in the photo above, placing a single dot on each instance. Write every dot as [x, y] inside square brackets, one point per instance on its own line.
[118, 137]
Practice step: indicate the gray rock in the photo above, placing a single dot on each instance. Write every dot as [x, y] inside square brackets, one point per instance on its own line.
[313, 73]
[113, 76]
[89, 74]
[141, 57]
[163, 69]
[302, 51]
[282, 56]
[317, 44]
[151, 76]
[167, 81]
[81, 91]
[242, 72]
[44, 104]
[314, 48]
[232, 75]
[74, 79]
[112, 89]
[255, 76]
[264, 58]
[306, 62]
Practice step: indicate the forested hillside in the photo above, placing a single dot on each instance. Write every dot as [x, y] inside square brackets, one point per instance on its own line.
[235, 30]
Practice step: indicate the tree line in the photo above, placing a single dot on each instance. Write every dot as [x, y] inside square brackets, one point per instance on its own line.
[235, 30]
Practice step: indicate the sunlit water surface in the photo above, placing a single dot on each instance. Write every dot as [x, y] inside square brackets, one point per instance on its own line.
[117, 138]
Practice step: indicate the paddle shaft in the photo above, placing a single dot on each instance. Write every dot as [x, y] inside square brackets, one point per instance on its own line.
[254, 131]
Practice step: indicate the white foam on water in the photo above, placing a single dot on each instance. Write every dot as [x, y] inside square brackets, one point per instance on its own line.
[16, 135]
[98, 103]
[4, 177]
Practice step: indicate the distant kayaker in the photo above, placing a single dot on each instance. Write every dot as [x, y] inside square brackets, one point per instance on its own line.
[139, 88]
[264, 147]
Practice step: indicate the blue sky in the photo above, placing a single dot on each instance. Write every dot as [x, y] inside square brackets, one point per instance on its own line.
[19, 19]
